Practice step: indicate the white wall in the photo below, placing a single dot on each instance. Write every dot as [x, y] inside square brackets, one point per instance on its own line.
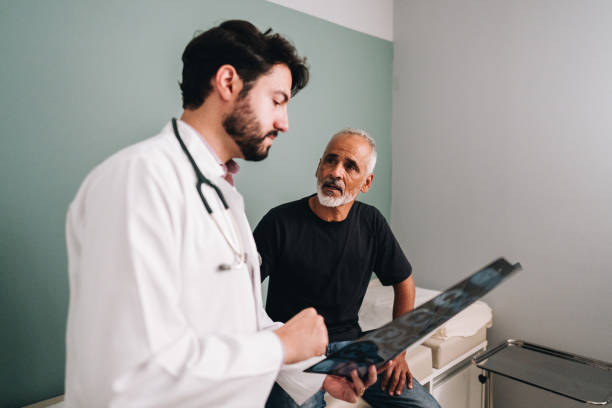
[374, 17]
[502, 145]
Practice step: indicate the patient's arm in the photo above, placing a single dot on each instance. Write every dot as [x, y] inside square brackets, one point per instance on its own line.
[399, 374]
[404, 294]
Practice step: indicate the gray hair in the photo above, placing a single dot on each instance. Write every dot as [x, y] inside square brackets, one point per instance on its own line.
[367, 137]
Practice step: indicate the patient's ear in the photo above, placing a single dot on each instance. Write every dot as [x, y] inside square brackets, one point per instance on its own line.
[368, 183]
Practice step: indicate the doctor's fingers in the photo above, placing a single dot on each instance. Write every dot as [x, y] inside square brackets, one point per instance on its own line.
[312, 321]
[319, 332]
[372, 376]
[303, 336]
[359, 384]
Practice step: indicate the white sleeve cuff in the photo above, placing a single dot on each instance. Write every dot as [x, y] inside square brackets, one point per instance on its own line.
[298, 384]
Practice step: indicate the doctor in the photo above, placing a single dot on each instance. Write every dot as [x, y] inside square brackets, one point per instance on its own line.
[165, 298]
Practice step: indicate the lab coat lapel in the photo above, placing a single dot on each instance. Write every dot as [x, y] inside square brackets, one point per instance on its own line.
[210, 168]
[236, 203]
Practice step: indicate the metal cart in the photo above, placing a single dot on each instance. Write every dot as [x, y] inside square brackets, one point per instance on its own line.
[579, 378]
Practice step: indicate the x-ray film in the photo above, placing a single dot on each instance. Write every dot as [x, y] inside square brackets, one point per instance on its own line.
[411, 329]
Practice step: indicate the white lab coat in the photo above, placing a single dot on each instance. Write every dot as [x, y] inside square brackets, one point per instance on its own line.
[152, 322]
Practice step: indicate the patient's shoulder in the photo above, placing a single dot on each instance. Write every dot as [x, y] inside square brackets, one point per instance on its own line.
[370, 217]
[289, 209]
[367, 211]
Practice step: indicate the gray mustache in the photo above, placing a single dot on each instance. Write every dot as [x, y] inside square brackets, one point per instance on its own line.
[333, 183]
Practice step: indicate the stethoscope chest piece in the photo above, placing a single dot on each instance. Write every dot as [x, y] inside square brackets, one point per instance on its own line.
[238, 249]
[224, 267]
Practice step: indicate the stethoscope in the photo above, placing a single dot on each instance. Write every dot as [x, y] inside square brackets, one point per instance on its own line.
[238, 250]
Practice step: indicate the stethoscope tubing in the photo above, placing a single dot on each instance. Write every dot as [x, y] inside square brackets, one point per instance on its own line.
[202, 179]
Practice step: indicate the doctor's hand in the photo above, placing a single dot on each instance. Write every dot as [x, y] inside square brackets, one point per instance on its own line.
[398, 375]
[349, 390]
[303, 336]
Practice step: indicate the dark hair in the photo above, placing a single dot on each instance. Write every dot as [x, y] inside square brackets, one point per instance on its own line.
[240, 44]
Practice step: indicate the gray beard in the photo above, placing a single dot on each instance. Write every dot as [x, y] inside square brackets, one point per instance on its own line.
[330, 201]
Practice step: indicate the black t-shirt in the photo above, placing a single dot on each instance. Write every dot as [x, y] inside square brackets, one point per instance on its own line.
[326, 265]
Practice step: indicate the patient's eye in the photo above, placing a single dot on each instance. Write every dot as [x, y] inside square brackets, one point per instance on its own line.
[330, 159]
[352, 166]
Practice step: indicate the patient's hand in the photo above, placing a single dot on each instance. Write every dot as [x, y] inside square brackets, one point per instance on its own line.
[394, 378]
[303, 336]
[349, 390]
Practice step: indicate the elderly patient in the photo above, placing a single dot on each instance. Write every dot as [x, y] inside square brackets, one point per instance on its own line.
[321, 251]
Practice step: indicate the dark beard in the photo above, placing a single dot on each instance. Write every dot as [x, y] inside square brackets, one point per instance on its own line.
[246, 131]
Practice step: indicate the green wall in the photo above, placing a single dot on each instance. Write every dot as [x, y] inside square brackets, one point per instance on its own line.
[82, 79]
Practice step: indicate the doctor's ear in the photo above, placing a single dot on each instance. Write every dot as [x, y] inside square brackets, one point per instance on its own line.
[227, 82]
[317, 169]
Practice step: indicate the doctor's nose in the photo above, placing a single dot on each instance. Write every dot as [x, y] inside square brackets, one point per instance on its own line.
[282, 122]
